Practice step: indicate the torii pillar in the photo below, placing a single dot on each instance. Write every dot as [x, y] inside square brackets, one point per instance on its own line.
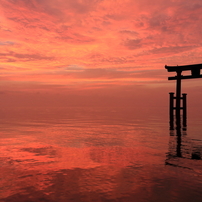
[178, 98]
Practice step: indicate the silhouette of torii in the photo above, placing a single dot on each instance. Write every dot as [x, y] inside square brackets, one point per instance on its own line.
[195, 73]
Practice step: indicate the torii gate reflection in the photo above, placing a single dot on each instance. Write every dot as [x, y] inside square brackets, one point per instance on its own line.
[195, 73]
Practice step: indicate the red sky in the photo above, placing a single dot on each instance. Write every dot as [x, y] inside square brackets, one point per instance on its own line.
[84, 49]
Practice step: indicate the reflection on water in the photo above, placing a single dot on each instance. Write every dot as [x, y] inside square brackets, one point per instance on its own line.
[96, 155]
[183, 150]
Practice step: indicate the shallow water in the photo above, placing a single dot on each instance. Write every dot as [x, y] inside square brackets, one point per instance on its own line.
[97, 154]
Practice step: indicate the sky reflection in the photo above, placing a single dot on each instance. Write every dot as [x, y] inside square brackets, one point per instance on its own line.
[94, 160]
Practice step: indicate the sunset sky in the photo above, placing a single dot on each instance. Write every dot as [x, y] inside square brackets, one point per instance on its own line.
[82, 50]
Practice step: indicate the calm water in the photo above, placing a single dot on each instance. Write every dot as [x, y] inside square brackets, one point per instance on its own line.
[98, 154]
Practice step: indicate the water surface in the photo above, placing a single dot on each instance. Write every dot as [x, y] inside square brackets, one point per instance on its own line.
[97, 154]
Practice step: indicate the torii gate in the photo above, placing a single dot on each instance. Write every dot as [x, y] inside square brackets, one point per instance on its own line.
[195, 73]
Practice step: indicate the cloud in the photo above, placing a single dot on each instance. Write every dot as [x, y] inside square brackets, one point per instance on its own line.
[112, 60]
[74, 67]
[98, 40]
[6, 43]
[76, 74]
[129, 32]
[13, 56]
[133, 43]
[171, 50]
[76, 38]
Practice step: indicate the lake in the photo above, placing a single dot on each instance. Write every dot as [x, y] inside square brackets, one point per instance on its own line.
[98, 154]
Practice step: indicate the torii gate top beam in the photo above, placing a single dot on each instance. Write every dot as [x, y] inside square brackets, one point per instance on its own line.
[195, 71]
[183, 68]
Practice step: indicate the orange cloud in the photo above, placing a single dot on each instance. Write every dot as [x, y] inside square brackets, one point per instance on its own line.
[66, 42]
